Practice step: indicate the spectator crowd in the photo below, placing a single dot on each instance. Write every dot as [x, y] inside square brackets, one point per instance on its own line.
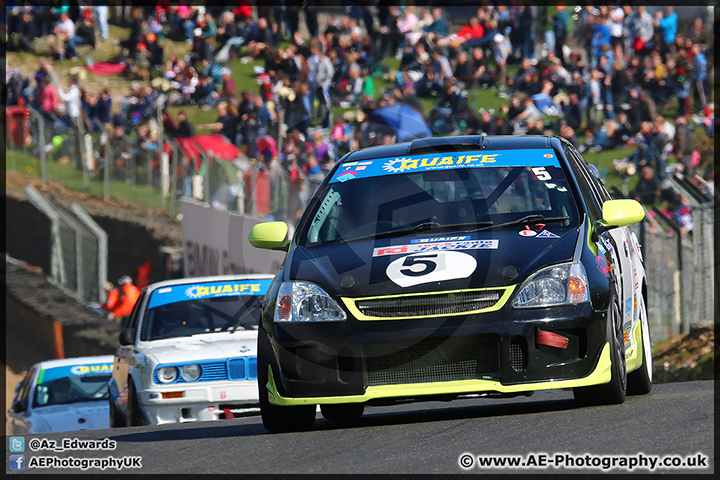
[611, 75]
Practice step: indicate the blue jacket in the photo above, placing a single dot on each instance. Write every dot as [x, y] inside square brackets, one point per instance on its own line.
[601, 36]
[668, 27]
[700, 67]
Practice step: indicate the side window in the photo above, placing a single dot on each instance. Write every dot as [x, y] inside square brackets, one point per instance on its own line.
[587, 185]
[135, 315]
[24, 391]
[591, 180]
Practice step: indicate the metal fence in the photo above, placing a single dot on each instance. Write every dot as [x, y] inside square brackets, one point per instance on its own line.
[119, 164]
[78, 256]
[680, 267]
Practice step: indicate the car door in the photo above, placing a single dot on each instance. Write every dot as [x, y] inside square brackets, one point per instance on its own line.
[125, 359]
[617, 243]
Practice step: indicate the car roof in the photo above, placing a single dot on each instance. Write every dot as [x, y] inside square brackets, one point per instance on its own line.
[64, 362]
[211, 278]
[482, 142]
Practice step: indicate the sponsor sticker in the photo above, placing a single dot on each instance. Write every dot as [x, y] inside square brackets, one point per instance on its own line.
[435, 246]
[527, 233]
[423, 163]
[347, 176]
[182, 293]
[547, 234]
[603, 265]
[440, 239]
[50, 374]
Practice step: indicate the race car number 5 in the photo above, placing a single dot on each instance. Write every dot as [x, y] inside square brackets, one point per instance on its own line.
[431, 267]
[541, 173]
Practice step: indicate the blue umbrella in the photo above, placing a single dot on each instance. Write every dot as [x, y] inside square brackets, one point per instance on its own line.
[407, 123]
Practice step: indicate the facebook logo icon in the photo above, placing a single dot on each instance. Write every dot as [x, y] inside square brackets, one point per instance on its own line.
[17, 462]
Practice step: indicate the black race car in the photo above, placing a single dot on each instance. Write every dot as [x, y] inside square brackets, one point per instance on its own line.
[451, 267]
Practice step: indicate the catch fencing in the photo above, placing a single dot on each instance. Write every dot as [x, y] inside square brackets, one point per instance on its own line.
[78, 248]
[139, 167]
[680, 265]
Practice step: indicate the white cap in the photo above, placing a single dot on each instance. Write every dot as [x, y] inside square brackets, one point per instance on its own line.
[135, 85]
[197, 32]
[498, 38]
[225, 71]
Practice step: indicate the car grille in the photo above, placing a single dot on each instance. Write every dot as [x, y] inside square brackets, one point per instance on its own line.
[238, 368]
[432, 304]
[431, 360]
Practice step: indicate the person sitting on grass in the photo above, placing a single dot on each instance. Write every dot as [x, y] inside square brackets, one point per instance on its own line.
[85, 35]
[64, 31]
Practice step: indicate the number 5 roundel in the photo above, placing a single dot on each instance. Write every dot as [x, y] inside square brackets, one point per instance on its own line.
[430, 267]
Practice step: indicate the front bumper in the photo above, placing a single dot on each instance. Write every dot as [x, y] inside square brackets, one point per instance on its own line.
[368, 361]
[199, 402]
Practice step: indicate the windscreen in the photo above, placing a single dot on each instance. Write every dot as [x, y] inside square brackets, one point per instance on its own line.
[72, 384]
[192, 309]
[452, 192]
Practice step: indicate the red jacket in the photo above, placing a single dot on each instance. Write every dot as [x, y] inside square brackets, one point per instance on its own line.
[468, 31]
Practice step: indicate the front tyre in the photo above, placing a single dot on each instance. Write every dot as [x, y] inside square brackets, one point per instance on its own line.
[115, 420]
[134, 415]
[275, 418]
[640, 380]
[614, 391]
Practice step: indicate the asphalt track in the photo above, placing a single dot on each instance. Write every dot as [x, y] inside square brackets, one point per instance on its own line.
[430, 437]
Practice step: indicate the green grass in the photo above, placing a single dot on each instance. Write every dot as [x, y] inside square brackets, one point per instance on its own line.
[70, 177]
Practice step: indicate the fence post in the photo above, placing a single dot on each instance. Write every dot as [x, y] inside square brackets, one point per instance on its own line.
[43, 152]
[80, 136]
[206, 178]
[173, 178]
[101, 236]
[109, 162]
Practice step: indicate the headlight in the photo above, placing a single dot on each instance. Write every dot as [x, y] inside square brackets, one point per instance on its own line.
[168, 374]
[563, 284]
[306, 302]
[190, 373]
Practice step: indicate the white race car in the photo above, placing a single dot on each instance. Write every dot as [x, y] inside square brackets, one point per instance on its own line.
[188, 352]
[62, 396]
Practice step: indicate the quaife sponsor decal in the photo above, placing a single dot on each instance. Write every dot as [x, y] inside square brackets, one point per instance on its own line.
[90, 369]
[536, 158]
[435, 246]
[181, 293]
[440, 239]
[50, 374]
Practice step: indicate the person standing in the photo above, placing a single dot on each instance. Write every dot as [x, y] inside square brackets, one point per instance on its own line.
[699, 73]
[101, 15]
[120, 301]
[559, 25]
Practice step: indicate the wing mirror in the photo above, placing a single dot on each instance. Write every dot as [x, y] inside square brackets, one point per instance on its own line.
[270, 235]
[20, 406]
[127, 336]
[619, 213]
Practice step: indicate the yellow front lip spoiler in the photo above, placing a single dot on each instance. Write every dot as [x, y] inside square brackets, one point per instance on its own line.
[600, 375]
